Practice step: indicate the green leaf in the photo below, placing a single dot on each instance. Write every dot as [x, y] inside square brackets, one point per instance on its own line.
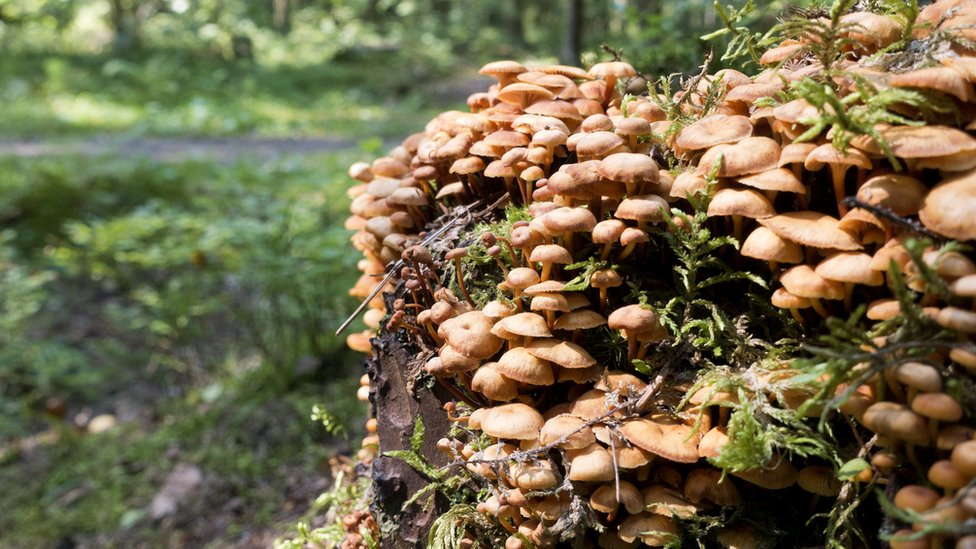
[852, 468]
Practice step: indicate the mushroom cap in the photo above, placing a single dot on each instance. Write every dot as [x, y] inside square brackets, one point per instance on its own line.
[536, 123]
[950, 207]
[964, 286]
[923, 377]
[565, 220]
[964, 457]
[523, 94]
[470, 334]
[916, 498]
[819, 479]
[633, 235]
[803, 281]
[556, 108]
[712, 442]
[597, 123]
[583, 319]
[687, 184]
[919, 141]
[827, 154]
[940, 77]
[605, 278]
[663, 435]
[785, 300]
[618, 69]
[748, 156]
[853, 267]
[604, 498]
[647, 208]
[902, 194]
[522, 277]
[633, 318]
[607, 231]
[764, 244]
[944, 474]
[626, 384]
[938, 406]
[590, 464]
[504, 66]
[629, 168]
[653, 529]
[666, 501]
[546, 287]
[778, 179]
[566, 425]
[590, 405]
[795, 153]
[749, 93]
[702, 484]
[577, 301]
[453, 361]
[564, 353]
[549, 302]
[598, 144]
[896, 420]
[809, 228]
[512, 421]
[744, 202]
[631, 127]
[534, 475]
[523, 324]
[712, 130]
[518, 364]
[550, 253]
[778, 474]
[957, 319]
[490, 382]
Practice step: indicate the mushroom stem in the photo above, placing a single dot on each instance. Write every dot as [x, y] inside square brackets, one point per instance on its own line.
[817, 306]
[546, 270]
[837, 172]
[460, 279]
[626, 251]
[610, 83]
[848, 292]
[796, 315]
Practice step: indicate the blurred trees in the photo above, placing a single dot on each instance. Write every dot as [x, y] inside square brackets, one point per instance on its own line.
[653, 34]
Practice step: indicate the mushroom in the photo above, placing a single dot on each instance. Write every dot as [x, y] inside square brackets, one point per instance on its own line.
[839, 163]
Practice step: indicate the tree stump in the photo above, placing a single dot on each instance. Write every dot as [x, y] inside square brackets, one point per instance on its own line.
[397, 402]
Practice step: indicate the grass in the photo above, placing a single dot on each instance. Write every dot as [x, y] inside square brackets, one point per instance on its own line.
[194, 301]
[176, 92]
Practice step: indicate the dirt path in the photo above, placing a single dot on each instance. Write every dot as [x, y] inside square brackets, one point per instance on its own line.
[224, 149]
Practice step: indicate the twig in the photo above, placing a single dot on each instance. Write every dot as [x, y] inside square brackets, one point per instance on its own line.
[880, 211]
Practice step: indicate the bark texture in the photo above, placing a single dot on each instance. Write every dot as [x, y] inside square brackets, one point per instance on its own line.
[396, 402]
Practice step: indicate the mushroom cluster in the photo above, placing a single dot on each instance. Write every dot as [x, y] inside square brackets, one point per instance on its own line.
[552, 421]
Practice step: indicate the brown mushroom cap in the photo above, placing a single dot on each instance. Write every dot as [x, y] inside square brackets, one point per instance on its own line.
[702, 484]
[523, 324]
[569, 426]
[564, 353]
[633, 318]
[584, 319]
[565, 220]
[803, 281]
[490, 382]
[470, 334]
[604, 499]
[617, 69]
[819, 479]
[938, 406]
[916, 498]
[779, 179]
[809, 228]
[950, 208]
[827, 154]
[512, 421]
[744, 202]
[653, 529]
[534, 475]
[923, 377]
[663, 435]
[713, 130]
[777, 475]
[919, 141]
[550, 253]
[896, 420]
[748, 156]
[590, 464]
[629, 168]
[964, 457]
[902, 194]
[647, 208]
[596, 145]
[764, 244]
[851, 267]
[518, 364]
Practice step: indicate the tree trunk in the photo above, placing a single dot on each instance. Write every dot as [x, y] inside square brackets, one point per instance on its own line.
[572, 48]
[397, 402]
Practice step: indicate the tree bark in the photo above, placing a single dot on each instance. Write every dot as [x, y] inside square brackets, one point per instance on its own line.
[572, 45]
[397, 401]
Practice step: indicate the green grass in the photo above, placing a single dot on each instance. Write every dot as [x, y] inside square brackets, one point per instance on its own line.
[176, 92]
[199, 296]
